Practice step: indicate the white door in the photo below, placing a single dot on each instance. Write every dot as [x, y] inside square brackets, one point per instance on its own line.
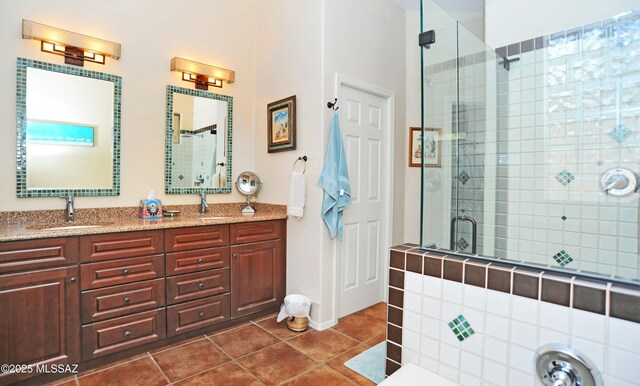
[361, 254]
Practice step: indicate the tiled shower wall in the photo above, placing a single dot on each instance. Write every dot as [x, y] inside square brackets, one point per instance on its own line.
[572, 111]
[480, 324]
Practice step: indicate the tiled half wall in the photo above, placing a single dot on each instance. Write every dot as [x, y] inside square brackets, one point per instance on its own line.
[480, 324]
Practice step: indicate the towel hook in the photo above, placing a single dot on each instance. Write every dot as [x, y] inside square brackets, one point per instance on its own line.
[332, 105]
[304, 159]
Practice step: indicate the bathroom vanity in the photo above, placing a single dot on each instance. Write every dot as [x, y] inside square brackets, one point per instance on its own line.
[98, 294]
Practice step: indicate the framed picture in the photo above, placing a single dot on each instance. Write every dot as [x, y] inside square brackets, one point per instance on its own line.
[281, 125]
[431, 147]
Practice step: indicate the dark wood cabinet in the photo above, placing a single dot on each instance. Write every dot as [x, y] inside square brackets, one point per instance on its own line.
[257, 276]
[70, 299]
[39, 319]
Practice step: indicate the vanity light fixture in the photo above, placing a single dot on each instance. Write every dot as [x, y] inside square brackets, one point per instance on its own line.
[75, 48]
[203, 75]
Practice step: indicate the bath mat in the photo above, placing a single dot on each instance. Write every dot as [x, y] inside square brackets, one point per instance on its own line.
[370, 363]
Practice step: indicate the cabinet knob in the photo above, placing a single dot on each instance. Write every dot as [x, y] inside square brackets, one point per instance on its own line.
[235, 255]
[127, 300]
[127, 334]
[72, 279]
[201, 314]
[200, 260]
[201, 285]
[125, 272]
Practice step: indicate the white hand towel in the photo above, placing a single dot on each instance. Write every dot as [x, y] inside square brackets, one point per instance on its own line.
[220, 177]
[297, 194]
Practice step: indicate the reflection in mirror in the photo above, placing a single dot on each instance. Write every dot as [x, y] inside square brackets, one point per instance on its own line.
[198, 140]
[68, 131]
[248, 184]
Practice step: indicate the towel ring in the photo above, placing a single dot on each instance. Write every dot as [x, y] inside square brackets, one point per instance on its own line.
[304, 159]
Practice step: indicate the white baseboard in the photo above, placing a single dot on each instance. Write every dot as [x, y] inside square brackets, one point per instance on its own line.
[322, 326]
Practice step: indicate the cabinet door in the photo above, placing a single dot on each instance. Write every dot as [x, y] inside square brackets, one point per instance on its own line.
[39, 319]
[257, 277]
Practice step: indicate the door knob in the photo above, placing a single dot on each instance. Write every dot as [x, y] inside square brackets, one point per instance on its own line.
[72, 279]
[127, 334]
[200, 260]
[235, 255]
[125, 272]
[127, 300]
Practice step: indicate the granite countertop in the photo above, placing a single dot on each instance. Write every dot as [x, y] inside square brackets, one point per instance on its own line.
[38, 224]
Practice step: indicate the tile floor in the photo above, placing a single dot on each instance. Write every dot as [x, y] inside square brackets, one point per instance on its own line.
[260, 352]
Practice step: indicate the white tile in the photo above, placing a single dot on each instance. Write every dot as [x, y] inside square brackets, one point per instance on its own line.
[549, 336]
[525, 310]
[522, 359]
[412, 301]
[473, 344]
[431, 327]
[471, 363]
[431, 306]
[624, 335]
[496, 349]
[429, 363]
[450, 311]
[452, 291]
[429, 347]
[448, 372]
[475, 318]
[623, 364]
[450, 355]
[497, 326]
[611, 380]
[469, 380]
[410, 356]
[494, 373]
[411, 340]
[432, 286]
[594, 351]
[475, 297]
[521, 379]
[412, 321]
[413, 282]
[523, 334]
[498, 303]
[588, 325]
[554, 317]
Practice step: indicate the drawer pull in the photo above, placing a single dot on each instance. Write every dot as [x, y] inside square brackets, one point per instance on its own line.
[235, 255]
[200, 260]
[72, 279]
[125, 272]
[201, 314]
[127, 334]
[127, 300]
[200, 285]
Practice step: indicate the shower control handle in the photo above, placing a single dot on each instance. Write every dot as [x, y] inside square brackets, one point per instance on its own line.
[619, 182]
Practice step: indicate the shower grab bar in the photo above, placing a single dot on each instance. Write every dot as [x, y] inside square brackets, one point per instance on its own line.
[474, 232]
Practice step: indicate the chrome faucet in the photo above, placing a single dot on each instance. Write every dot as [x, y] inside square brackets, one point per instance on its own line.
[203, 202]
[70, 216]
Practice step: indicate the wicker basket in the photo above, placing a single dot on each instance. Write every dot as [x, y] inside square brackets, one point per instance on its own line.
[297, 324]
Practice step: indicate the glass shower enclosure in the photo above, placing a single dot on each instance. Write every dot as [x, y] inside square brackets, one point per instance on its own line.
[532, 154]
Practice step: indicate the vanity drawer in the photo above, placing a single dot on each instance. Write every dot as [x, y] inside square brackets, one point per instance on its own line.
[256, 231]
[199, 260]
[111, 302]
[108, 273]
[185, 239]
[197, 314]
[104, 338]
[23, 255]
[197, 285]
[120, 245]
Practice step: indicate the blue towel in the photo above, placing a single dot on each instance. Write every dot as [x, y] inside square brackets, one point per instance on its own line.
[334, 180]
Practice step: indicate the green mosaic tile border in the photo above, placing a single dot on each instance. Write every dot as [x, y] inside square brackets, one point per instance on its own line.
[461, 328]
[169, 140]
[22, 190]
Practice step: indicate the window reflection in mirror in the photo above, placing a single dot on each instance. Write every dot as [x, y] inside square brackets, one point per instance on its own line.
[198, 136]
[68, 131]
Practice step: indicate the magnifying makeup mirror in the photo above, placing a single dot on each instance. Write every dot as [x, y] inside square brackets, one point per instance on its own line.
[248, 184]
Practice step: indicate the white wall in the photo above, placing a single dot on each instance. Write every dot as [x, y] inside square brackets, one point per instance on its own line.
[330, 37]
[150, 34]
[511, 21]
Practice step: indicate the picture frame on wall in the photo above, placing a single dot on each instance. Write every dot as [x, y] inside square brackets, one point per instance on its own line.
[432, 147]
[281, 125]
